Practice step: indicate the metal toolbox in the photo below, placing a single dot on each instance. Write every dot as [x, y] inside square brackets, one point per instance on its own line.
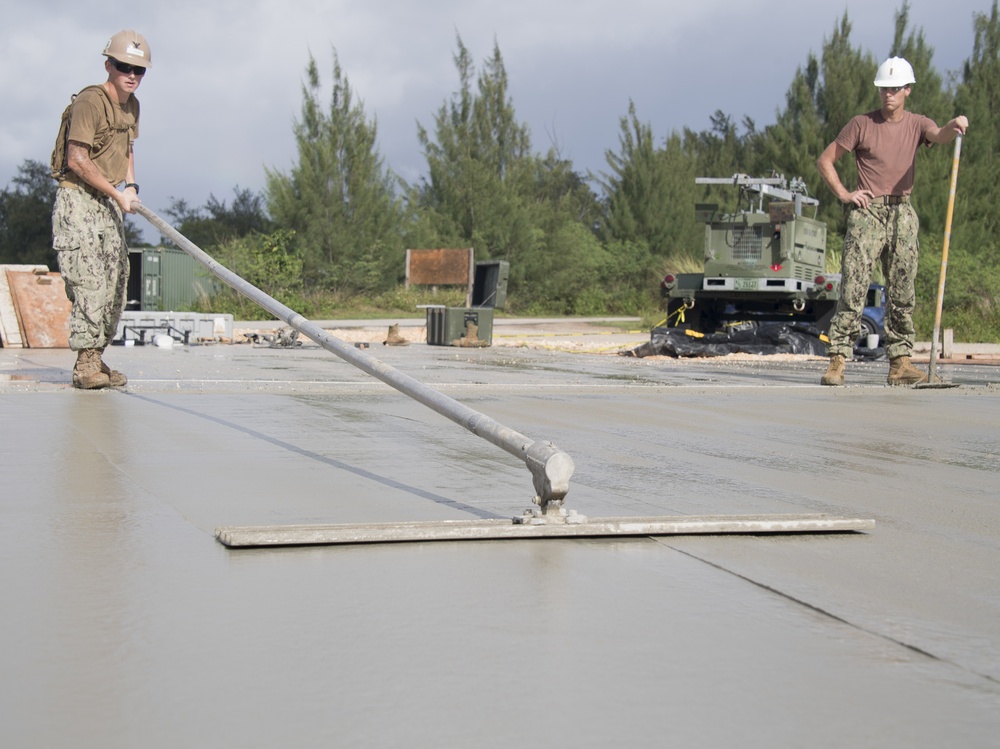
[445, 325]
[448, 325]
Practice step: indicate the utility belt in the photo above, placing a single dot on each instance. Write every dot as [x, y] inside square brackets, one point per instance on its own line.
[888, 200]
[92, 192]
[891, 199]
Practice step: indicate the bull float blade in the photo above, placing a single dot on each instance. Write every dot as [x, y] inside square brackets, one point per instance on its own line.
[534, 527]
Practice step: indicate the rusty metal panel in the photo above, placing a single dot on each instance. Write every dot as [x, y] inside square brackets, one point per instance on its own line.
[10, 331]
[439, 267]
[42, 308]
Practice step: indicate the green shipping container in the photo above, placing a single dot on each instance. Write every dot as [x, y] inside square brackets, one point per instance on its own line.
[167, 279]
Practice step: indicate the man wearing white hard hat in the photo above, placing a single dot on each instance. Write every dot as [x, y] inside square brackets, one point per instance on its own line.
[881, 224]
[93, 156]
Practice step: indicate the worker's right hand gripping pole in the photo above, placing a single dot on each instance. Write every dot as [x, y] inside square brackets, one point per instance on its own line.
[550, 468]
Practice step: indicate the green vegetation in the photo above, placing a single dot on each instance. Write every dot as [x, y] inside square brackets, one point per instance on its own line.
[328, 237]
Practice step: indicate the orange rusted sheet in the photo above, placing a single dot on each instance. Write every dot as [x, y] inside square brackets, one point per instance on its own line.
[439, 267]
[10, 331]
[42, 308]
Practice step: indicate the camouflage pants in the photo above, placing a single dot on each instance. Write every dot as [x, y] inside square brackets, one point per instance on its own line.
[888, 235]
[88, 235]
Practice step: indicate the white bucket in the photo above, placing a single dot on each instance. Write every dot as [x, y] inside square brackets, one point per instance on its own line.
[871, 341]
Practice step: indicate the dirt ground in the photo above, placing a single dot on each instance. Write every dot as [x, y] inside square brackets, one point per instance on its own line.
[579, 337]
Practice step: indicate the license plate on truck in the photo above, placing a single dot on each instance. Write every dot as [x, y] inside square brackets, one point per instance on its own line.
[746, 284]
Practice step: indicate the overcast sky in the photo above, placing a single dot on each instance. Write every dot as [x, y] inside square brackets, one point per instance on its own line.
[219, 101]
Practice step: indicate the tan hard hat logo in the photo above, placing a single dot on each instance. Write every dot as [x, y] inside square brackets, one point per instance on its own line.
[133, 49]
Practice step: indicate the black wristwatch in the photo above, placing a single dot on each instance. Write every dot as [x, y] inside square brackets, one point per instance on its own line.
[132, 184]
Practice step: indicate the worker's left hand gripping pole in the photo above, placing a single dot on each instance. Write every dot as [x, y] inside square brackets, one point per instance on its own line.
[550, 468]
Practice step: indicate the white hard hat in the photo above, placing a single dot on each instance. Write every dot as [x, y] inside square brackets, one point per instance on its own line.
[894, 72]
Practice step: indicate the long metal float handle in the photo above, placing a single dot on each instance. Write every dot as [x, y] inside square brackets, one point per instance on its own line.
[550, 468]
[953, 185]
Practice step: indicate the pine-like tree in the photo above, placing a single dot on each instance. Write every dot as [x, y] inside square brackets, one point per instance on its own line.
[974, 269]
[479, 184]
[340, 198]
[649, 193]
[26, 216]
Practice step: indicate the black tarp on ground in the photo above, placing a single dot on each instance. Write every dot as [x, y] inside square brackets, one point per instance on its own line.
[777, 338]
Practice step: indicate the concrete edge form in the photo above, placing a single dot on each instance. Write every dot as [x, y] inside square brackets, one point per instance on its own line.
[519, 528]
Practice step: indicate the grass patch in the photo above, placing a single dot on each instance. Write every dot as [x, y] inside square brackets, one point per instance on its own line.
[330, 305]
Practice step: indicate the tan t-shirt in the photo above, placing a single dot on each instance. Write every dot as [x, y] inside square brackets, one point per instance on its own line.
[885, 151]
[109, 129]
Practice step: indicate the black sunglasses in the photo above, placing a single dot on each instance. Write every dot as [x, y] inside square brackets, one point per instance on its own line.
[124, 67]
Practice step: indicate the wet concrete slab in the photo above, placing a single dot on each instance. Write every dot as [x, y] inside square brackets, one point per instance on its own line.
[127, 624]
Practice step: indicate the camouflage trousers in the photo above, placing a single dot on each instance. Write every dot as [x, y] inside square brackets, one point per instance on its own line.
[88, 235]
[887, 235]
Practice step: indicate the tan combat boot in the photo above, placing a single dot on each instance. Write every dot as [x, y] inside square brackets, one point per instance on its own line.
[118, 379]
[87, 374]
[471, 338]
[394, 338]
[835, 372]
[902, 372]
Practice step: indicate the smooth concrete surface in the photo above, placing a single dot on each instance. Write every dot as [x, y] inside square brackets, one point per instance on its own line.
[126, 624]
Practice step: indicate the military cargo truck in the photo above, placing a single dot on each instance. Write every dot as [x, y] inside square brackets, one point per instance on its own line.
[765, 261]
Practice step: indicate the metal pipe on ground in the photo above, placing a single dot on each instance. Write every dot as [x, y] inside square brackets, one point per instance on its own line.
[550, 467]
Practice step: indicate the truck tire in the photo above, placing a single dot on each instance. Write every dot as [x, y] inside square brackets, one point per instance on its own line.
[705, 317]
[823, 314]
